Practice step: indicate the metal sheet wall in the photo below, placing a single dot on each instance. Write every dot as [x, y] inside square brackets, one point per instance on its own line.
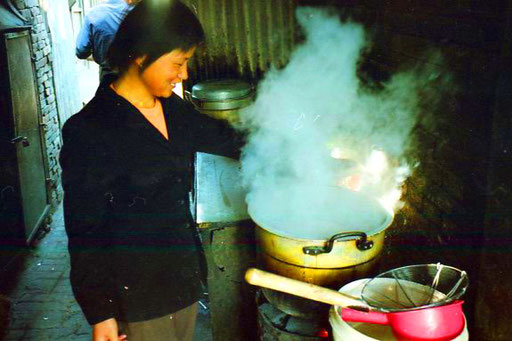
[243, 37]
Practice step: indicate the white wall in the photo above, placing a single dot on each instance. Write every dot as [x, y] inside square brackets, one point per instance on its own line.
[64, 60]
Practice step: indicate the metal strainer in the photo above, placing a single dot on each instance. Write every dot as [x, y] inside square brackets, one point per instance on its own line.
[414, 287]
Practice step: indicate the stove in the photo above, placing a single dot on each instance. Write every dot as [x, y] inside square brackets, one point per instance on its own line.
[275, 325]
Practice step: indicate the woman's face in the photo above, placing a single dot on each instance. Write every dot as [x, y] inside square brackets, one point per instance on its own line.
[161, 76]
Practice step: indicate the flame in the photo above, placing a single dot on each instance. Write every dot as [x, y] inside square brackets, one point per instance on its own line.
[377, 172]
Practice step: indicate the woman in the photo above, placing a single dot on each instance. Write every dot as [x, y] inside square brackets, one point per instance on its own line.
[127, 169]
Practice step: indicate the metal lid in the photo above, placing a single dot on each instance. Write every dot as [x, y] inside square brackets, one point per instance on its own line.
[221, 90]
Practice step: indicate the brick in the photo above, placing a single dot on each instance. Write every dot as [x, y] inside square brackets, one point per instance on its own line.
[44, 36]
[38, 55]
[38, 28]
[20, 4]
[43, 78]
[34, 10]
[40, 63]
[36, 40]
[53, 128]
[26, 14]
[51, 99]
[53, 113]
[51, 136]
[31, 3]
[46, 68]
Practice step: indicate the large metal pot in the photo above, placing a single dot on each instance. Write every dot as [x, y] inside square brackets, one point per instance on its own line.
[332, 263]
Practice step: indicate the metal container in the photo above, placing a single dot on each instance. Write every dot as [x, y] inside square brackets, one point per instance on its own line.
[228, 240]
[222, 99]
[330, 263]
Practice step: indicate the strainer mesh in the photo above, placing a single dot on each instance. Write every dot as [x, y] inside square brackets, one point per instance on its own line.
[415, 286]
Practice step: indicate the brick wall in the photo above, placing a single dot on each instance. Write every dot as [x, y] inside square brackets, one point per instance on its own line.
[42, 53]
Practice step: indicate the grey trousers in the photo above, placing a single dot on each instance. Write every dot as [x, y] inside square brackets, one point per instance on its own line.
[179, 326]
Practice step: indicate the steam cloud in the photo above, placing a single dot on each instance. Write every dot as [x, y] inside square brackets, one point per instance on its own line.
[316, 106]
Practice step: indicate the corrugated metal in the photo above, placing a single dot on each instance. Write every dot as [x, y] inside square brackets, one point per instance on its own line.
[243, 37]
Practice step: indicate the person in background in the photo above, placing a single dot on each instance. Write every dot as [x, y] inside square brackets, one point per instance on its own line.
[137, 264]
[98, 30]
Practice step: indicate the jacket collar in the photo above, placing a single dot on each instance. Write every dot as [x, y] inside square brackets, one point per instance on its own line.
[126, 114]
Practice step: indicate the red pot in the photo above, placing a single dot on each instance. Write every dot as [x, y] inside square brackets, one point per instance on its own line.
[442, 323]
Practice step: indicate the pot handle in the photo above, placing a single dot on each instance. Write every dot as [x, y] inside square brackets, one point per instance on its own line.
[354, 315]
[362, 243]
[302, 289]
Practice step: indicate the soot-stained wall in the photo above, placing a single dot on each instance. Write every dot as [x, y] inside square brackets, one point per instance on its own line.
[494, 298]
[450, 207]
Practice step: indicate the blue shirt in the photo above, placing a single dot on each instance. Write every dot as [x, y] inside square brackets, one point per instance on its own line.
[98, 31]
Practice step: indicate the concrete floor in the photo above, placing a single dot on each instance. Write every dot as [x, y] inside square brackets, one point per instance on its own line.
[42, 304]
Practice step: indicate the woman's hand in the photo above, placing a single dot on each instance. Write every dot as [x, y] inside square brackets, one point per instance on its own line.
[106, 331]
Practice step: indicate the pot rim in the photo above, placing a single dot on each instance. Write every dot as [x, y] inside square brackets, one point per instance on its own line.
[381, 228]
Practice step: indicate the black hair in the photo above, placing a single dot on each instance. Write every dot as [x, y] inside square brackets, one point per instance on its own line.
[154, 28]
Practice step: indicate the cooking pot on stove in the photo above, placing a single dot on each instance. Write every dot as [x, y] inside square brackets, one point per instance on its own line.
[330, 262]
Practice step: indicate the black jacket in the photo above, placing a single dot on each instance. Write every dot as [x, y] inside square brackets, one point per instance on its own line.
[135, 253]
